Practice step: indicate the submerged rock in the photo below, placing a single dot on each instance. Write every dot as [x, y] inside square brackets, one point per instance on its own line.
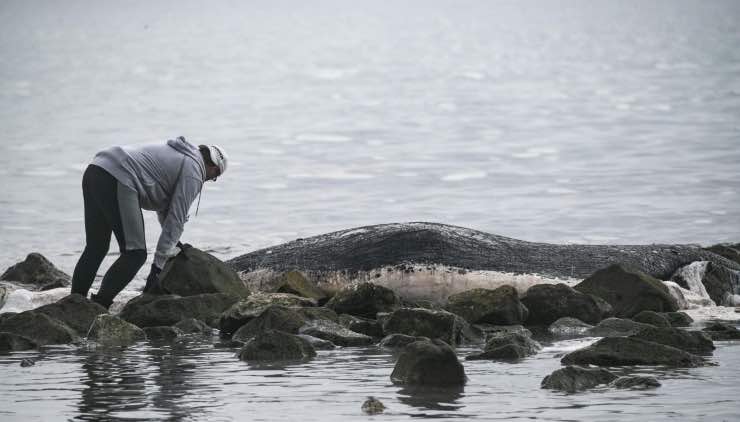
[420, 322]
[163, 333]
[193, 326]
[109, 330]
[498, 306]
[569, 327]
[616, 327]
[294, 282]
[39, 328]
[507, 346]
[274, 317]
[274, 345]
[25, 363]
[620, 351]
[247, 309]
[576, 378]
[372, 406]
[154, 310]
[10, 342]
[38, 271]
[690, 341]
[678, 319]
[396, 341]
[635, 382]
[428, 363]
[722, 331]
[550, 302]
[628, 291]
[364, 300]
[76, 311]
[652, 318]
[195, 272]
[334, 333]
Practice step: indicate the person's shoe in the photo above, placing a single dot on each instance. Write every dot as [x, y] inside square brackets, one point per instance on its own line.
[100, 301]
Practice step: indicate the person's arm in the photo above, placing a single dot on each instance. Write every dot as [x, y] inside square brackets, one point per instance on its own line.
[176, 216]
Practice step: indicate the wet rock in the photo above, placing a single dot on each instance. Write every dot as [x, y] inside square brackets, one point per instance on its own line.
[294, 282]
[507, 346]
[317, 343]
[27, 362]
[154, 310]
[549, 302]
[163, 333]
[569, 327]
[10, 342]
[678, 319]
[247, 309]
[39, 328]
[372, 406]
[76, 311]
[274, 317]
[396, 341]
[722, 284]
[628, 291]
[729, 251]
[428, 363]
[690, 341]
[620, 351]
[364, 300]
[6, 315]
[335, 333]
[4, 292]
[652, 318]
[109, 330]
[369, 327]
[193, 326]
[722, 331]
[37, 271]
[489, 330]
[616, 327]
[420, 322]
[312, 313]
[576, 378]
[195, 272]
[274, 345]
[635, 382]
[498, 306]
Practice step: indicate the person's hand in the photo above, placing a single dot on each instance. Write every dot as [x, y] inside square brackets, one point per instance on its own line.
[152, 281]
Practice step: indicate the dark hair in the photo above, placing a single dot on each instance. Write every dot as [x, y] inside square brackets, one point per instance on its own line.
[206, 153]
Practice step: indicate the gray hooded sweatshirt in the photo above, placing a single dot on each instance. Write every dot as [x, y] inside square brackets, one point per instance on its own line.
[167, 179]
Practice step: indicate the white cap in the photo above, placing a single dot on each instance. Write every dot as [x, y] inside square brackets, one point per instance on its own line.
[219, 157]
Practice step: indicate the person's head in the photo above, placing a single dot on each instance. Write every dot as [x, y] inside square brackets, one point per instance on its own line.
[215, 159]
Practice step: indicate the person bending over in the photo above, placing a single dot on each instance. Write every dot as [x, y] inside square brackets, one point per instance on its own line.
[117, 185]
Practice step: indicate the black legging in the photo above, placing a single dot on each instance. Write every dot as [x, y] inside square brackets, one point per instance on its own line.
[103, 217]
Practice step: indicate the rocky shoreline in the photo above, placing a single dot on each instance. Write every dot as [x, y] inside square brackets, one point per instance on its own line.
[636, 315]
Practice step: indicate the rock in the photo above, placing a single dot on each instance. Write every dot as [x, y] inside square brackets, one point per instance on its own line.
[420, 322]
[10, 342]
[38, 271]
[616, 327]
[729, 251]
[274, 317]
[569, 327]
[428, 363]
[154, 310]
[294, 282]
[364, 300]
[4, 292]
[193, 326]
[628, 291]
[195, 272]
[369, 327]
[494, 330]
[635, 382]
[652, 318]
[335, 333]
[507, 346]
[722, 331]
[109, 330]
[372, 406]
[247, 309]
[722, 284]
[549, 302]
[27, 362]
[76, 311]
[39, 328]
[678, 319]
[312, 313]
[620, 351]
[689, 341]
[317, 343]
[576, 378]
[6, 315]
[163, 333]
[274, 345]
[395, 341]
[499, 306]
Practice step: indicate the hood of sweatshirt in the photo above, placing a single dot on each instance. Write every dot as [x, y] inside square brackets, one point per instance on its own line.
[190, 150]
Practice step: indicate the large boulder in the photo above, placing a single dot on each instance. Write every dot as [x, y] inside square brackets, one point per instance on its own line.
[678, 319]
[550, 302]
[274, 345]
[498, 306]
[109, 330]
[369, 327]
[690, 341]
[319, 312]
[76, 311]
[4, 292]
[39, 328]
[576, 378]
[249, 308]
[294, 282]
[37, 271]
[274, 317]
[706, 278]
[507, 346]
[194, 272]
[364, 300]
[621, 351]
[722, 331]
[10, 342]
[428, 363]
[420, 322]
[727, 250]
[193, 326]
[569, 327]
[628, 290]
[335, 333]
[616, 327]
[652, 318]
[154, 310]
